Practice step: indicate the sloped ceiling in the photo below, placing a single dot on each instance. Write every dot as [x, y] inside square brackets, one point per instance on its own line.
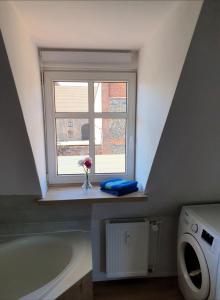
[18, 174]
[186, 168]
[93, 24]
[160, 65]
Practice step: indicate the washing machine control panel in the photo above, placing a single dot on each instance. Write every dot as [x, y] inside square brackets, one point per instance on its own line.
[207, 237]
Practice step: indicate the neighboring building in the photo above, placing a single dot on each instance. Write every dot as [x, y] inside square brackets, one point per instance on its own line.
[73, 134]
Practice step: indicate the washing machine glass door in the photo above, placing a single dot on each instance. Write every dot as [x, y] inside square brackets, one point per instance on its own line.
[192, 268]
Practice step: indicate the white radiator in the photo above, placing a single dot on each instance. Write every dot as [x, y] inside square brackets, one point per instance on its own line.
[127, 248]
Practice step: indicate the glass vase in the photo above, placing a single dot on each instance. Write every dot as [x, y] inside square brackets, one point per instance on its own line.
[87, 184]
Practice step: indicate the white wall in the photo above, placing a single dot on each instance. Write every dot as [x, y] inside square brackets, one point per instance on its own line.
[160, 64]
[23, 57]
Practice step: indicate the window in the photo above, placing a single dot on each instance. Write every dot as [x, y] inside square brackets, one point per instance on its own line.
[89, 113]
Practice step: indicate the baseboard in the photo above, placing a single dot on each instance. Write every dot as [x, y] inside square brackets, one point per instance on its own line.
[102, 276]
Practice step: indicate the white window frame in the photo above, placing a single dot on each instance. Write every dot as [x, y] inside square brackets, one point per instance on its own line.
[50, 116]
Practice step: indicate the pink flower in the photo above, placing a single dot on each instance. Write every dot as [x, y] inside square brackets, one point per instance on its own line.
[88, 162]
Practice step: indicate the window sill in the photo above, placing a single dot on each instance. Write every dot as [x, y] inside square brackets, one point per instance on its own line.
[75, 194]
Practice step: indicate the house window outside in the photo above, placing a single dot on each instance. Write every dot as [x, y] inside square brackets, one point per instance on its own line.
[89, 113]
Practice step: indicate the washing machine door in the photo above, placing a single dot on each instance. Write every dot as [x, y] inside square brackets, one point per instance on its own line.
[193, 271]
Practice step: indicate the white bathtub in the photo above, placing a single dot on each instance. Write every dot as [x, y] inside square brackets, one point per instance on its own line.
[42, 267]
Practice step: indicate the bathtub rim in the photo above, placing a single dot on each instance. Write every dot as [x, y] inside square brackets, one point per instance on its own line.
[72, 272]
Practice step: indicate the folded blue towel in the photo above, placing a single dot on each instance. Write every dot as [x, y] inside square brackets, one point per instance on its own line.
[118, 184]
[120, 192]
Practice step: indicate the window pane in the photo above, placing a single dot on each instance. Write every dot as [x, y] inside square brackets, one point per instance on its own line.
[72, 136]
[110, 140]
[110, 96]
[71, 96]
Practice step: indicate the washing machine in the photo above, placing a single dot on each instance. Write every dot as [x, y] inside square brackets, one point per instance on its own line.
[198, 252]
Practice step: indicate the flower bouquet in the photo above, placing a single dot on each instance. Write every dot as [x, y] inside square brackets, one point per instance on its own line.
[86, 163]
